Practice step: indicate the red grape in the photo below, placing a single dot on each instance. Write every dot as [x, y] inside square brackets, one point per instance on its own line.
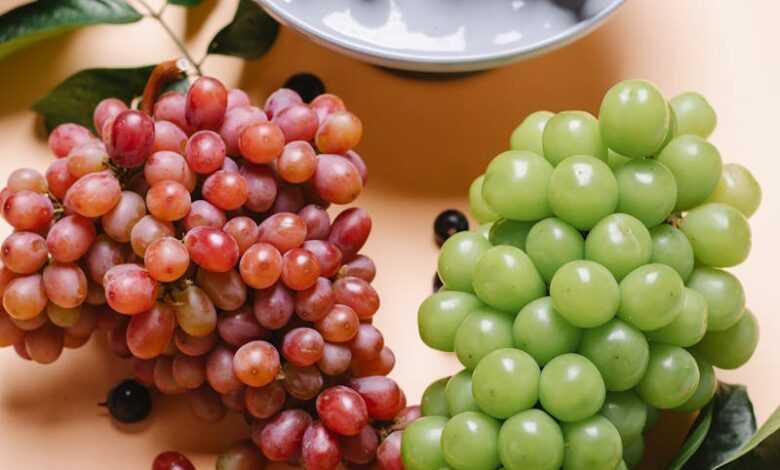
[195, 311]
[165, 165]
[342, 410]
[350, 231]
[59, 179]
[235, 400]
[355, 159]
[367, 343]
[205, 152]
[285, 231]
[226, 290]
[317, 222]
[242, 456]
[70, 238]
[240, 327]
[24, 252]
[300, 269]
[86, 158]
[168, 137]
[320, 448]
[45, 344]
[297, 122]
[219, 371]
[25, 297]
[119, 221]
[302, 346]
[168, 200]
[171, 107]
[204, 214]
[28, 179]
[236, 120]
[388, 454]
[147, 230]
[130, 289]
[281, 438]
[104, 254]
[314, 303]
[86, 324]
[360, 449]
[261, 142]
[256, 363]
[189, 372]
[339, 325]
[382, 365]
[336, 180]
[166, 259]
[339, 132]
[261, 265]
[194, 345]
[67, 136]
[237, 97]
[406, 416]
[227, 190]
[381, 394]
[335, 359]
[65, 284]
[327, 104]
[10, 334]
[171, 460]
[297, 162]
[328, 256]
[93, 195]
[150, 332]
[33, 323]
[274, 306]
[266, 401]
[206, 404]
[130, 138]
[261, 187]
[289, 198]
[361, 267]
[107, 109]
[206, 103]
[303, 383]
[163, 377]
[358, 294]
[28, 210]
[279, 100]
[244, 230]
[212, 248]
[143, 369]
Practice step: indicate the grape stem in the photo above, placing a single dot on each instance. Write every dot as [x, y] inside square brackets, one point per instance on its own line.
[157, 15]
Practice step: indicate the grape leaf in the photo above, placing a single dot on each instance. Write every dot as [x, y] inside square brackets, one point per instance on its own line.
[38, 20]
[74, 99]
[186, 3]
[251, 33]
[762, 451]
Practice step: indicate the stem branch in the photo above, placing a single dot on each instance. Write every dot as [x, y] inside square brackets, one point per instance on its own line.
[157, 15]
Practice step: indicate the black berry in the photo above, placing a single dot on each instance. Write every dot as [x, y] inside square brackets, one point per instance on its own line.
[448, 223]
[129, 402]
[307, 85]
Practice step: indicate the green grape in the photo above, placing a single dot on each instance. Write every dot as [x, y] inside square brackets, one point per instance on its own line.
[591, 444]
[653, 415]
[634, 118]
[531, 440]
[515, 185]
[477, 206]
[696, 165]
[672, 248]
[483, 331]
[572, 133]
[458, 257]
[459, 395]
[647, 190]
[571, 388]
[673, 128]
[723, 294]
[506, 382]
[690, 324]
[619, 351]
[582, 191]
[528, 135]
[627, 412]
[620, 243]
[505, 278]
[622, 466]
[510, 232]
[633, 452]
[671, 378]
[434, 400]
[705, 390]
[441, 314]
[543, 333]
[551, 243]
[650, 296]
[731, 348]
[585, 293]
[484, 230]
[738, 188]
[615, 160]
[421, 444]
[719, 235]
[470, 442]
[694, 114]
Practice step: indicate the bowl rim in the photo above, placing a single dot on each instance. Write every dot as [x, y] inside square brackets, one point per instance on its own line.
[421, 60]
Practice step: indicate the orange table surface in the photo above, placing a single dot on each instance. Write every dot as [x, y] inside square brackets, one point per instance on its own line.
[425, 140]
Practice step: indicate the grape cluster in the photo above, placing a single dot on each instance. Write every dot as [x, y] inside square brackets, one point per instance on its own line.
[197, 238]
[593, 293]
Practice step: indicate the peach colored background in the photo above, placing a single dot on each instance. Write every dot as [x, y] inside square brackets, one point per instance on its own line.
[424, 142]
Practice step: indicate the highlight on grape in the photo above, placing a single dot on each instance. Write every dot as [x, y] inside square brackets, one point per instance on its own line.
[196, 236]
[593, 294]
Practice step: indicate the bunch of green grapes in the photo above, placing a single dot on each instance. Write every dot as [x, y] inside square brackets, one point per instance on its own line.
[593, 294]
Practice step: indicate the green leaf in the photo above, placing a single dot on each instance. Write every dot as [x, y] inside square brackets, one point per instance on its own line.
[45, 18]
[186, 3]
[251, 33]
[74, 99]
[695, 438]
[762, 451]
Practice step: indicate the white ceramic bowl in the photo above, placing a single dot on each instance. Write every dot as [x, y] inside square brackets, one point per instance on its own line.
[441, 35]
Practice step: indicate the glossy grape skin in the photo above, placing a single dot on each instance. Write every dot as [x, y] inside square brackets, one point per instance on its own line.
[591, 444]
[335, 360]
[724, 295]
[672, 248]
[67, 136]
[358, 295]
[244, 230]
[620, 243]
[226, 290]
[150, 332]
[24, 252]
[458, 258]
[302, 346]
[120, 220]
[261, 265]
[738, 188]
[236, 120]
[195, 312]
[130, 138]
[696, 166]
[58, 178]
[671, 378]
[647, 190]
[421, 444]
[705, 390]
[339, 132]
[26, 179]
[336, 180]
[733, 347]
[515, 185]
[690, 325]
[266, 401]
[279, 100]
[261, 187]
[171, 460]
[484, 330]
[284, 230]
[349, 231]
[470, 441]
[212, 249]
[634, 118]
[70, 238]
[168, 201]
[434, 399]
[694, 114]
[551, 243]
[506, 279]
[339, 325]
[65, 284]
[368, 343]
[543, 333]
[274, 306]
[219, 371]
[256, 363]
[28, 210]
[130, 289]
[82, 160]
[458, 394]
[719, 234]
[571, 133]
[261, 142]
[478, 208]
[440, 315]
[506, 382]
[627, 412]
[106, 109]
[528, 135]
[147, 230]
[582, 191]
[571, 388]
[342, 410]
[282, 437]
[531, 439]
[206, 103]
[300, 269]
[168, 137]
[166, 259]
[585, 293]
[93, 195]
[650, 296]
[509, 232]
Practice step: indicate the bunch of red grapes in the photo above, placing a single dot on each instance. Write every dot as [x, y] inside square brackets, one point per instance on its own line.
[198, 239]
